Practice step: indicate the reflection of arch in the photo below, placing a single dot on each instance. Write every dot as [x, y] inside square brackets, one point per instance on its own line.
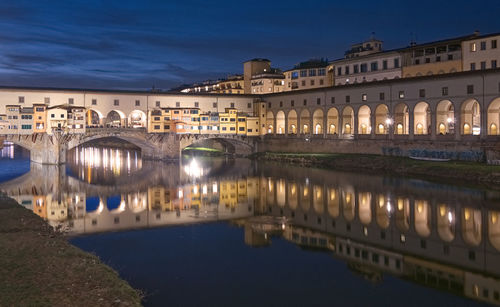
[318, 199]
[115, 204]
[494, 229]
[318, 121]
[348, 205]
[364, 124]
[304, 121]
[471, 226]
[470, 117]
[280, 122]
[383, 212]
[332, 120]
[422, 118]
[445, 117]
[422, 218]
[292, 196]
[333, 203]
[494, 117]
[270, 122]
[305, 199]
[403, 214]
[364, 207]
[347, 120]
[292, 122]
[446, 223]
[382, 120]
[401, 118]
[281, 193]
[137, 202]
[137, 119]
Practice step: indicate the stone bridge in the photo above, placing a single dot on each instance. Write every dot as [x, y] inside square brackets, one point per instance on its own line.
[52, 149]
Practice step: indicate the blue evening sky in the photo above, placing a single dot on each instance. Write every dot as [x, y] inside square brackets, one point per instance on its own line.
[139, 43]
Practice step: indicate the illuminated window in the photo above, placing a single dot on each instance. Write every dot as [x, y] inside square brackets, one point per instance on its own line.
[473, 47]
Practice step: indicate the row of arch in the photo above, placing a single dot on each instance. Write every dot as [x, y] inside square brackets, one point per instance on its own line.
[421, 120]
[116, 118]
[383, 210]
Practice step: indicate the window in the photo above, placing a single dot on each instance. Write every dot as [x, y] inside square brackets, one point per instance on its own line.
[305, 102]
[363, 97]
[332, 100]
[356, 68]
[417, 61]
[312, 82]
[281, 104]
[321, 72]
[249, 105]
[427, 60]
[493, 63]
[303, 73]
[494, 44]
[450, 57]
[364, 67]
[137, 103]
[483, 65]
[47, 100]
[232, 104]
[21, 99]
[303, 83]
[396, 63]
[312, 72]
[401, 94]
[214, 104]
[321, 81]
[62, 115]
[52, 116]
[71, 101]
[382, 96]
[116, 102]
[158, 104]
[177, 104]
[473, 47]
[421, 93]
[444, 91]
[483, 45]
[196, 104]
[94, 102]
[472, 66]
[339, 71]
[292, 103]
[347, 70]
[318, 101]
[347, 98]
[269, 105]
[374, 66]
[470, 89]
[438, 58]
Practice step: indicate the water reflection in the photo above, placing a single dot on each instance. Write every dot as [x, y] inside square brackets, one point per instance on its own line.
[436, 235]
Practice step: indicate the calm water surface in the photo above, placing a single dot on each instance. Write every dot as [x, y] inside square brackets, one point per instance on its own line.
[240, 233]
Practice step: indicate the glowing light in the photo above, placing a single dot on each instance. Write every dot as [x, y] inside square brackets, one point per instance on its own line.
[450, 217]
[388, 121]
[494, 217]
[193, 169]
[449, 120]
[204, 189]
[214, 187]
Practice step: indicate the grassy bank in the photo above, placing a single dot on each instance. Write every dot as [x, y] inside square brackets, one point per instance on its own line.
[38, 267]
[458, 171]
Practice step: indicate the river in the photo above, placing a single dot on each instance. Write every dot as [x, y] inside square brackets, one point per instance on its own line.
[235, 232]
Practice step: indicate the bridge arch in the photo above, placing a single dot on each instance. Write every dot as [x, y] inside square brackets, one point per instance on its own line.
[93, 117]
[137, 119]
[231, 144]
[115, 118]
[445, 117]
[470, 119]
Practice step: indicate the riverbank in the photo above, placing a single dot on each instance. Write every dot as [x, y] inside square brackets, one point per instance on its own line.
[456, 171]
[38, 267]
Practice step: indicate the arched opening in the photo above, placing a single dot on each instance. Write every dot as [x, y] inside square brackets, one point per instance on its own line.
[494, 117]
[137, 202]
[270, 196]
[382, 119]
[494, 229]
[305, 198]
[137, 119]
[471, 117]
[332, 121]
[93, 118]
[403, 214]
[281, 193]
[383, 212]
[115, 204]
[280, 122]
[270, 122]
[445, 117]
[422, 218]
[422, 118]
[364, 124]
[292, 196]
[318, 121]
[333, 203]
[305, 121]
[115, 119]
[318, 199]
[401, 119]
[471, 226]
[446, 222]
[347, 120]
[292, 122]
[364, 207]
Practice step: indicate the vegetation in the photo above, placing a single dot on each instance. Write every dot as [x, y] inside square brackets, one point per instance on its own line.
[38, 267]
[465, 172]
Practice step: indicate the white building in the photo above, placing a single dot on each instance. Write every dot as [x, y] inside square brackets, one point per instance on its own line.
[481, 52]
